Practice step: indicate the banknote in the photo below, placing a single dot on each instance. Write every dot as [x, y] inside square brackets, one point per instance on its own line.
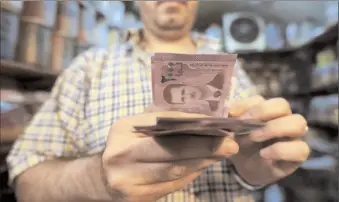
[212, 126]
[197, 83]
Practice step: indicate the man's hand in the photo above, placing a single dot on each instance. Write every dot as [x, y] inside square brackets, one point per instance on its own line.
[142, 168]
[276, 150]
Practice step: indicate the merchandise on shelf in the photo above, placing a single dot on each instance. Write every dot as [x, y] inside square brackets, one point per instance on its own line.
[131, 21]
[17, 107]
[214, 31]
[274, 36]
[101, 34]
[103, 7]
[331, 12]
[117, 14]
[9, 32]
[273, 83]
[306, 30]
[325, 76]
[326, 72]
[292, 33]
[298, 105]
[34, 44]
[288, 80]
[63, 51]
[43, 12]
[12, 5]
[322, 141]
[68, 18]
[324, 110]
[13, 115]
[325, 57]
[87, 22]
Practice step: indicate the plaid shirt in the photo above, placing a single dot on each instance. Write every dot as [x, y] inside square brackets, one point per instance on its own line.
[99, 88]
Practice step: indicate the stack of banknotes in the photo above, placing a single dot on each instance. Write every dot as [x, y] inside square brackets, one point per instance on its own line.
[200, 126]
[195, 83]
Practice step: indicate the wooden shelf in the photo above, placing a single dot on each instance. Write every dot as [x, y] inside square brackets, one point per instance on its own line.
[27, 74]
[22, 71]
[10, 135]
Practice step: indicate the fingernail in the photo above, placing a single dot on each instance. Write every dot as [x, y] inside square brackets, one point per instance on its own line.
[306, 129]
[266, 153]
[257, 136]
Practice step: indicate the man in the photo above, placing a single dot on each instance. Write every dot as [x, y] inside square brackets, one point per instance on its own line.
[81, 146]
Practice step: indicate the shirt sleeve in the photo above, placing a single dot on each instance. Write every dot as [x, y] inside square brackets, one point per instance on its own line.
[53, 131]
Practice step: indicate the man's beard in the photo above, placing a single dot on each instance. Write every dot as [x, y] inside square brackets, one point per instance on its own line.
[169, 27]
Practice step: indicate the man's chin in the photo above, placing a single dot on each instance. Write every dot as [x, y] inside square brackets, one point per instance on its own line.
[171, 32]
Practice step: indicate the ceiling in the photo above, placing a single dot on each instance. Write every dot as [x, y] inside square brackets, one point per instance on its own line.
[281, 11]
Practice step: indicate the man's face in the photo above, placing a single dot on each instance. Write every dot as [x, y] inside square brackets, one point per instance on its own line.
[186, 94]
[170, 19]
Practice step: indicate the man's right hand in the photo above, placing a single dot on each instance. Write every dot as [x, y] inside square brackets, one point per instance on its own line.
[143, 169]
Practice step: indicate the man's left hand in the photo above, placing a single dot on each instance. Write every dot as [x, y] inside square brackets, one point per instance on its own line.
[275, 151]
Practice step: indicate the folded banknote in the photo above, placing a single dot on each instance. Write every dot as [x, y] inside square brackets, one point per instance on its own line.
[197, 83]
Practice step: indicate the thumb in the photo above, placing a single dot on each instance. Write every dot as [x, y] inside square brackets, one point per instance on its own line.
[153, 108]
[239, 107]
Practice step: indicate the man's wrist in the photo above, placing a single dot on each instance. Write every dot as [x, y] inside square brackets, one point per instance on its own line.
[92, 168]
[109, 192]
[243, 182]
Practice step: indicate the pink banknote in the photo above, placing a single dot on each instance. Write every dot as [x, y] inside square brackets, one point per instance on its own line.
[197, 83]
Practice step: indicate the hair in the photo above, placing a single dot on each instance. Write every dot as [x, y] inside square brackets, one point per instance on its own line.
[167, 92]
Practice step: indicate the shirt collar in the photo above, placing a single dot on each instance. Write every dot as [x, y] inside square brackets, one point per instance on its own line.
[133, 37]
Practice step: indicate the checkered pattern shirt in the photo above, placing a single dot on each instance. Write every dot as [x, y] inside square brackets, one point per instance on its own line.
[100, 87]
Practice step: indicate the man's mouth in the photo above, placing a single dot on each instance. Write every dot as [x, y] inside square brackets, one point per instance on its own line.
[170, 1]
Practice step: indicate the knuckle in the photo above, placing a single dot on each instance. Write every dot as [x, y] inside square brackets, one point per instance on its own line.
[257, 110]
[259, 98]
[283, 103]
[177, 171]
[105, 158]
[280, 150]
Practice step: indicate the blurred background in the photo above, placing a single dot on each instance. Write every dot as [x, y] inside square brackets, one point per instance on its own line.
[288, 48]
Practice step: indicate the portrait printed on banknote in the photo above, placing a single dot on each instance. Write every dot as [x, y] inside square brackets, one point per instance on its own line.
[201, 93]
[192, 85]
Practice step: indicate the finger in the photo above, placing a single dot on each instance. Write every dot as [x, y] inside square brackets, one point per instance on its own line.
[296, 151]
[269, 109]
[289, 126]
[151, 173]
[173, 148]
[240, 106]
